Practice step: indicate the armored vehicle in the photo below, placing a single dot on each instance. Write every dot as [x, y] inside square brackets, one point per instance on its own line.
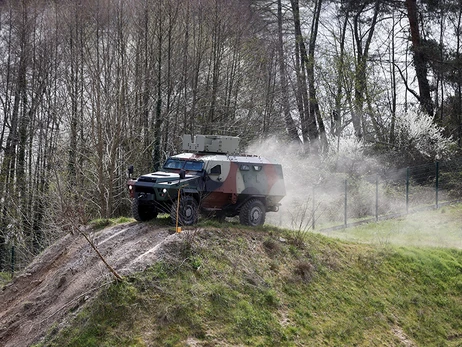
[211, 179]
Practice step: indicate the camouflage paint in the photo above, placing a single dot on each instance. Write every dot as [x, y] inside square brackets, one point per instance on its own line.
[240, 179]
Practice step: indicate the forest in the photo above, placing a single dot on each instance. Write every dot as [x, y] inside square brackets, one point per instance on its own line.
[89, 87]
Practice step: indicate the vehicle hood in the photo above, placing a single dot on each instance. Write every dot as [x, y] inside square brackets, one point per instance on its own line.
[160, 177]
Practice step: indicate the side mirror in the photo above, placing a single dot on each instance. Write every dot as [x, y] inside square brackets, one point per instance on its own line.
[182, 174]
[130, 171]
[216, 170]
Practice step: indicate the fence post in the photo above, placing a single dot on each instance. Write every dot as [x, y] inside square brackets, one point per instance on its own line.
[437, 173]
[312, 212]
[346, 204]
[376, 198]
[407, 190]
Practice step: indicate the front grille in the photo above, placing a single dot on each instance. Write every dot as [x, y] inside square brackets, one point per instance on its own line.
[144, 189]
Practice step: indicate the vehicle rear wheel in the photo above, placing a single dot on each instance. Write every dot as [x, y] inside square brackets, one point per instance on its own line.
[143, 212]
[188, 211]
[253, 213]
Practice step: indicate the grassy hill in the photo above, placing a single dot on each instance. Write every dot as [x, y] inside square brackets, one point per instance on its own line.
[234, 286]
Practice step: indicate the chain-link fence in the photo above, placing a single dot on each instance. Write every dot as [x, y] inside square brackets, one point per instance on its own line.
[338, 203]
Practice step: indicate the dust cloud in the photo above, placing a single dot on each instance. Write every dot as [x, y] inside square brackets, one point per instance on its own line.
[316, 186]
[302, 174]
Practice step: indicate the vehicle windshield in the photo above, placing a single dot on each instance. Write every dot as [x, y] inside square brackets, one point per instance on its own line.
[188, 165]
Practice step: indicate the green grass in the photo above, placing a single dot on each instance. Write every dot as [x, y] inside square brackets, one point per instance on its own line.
[437, 228]
[234, 286]
[5, 277]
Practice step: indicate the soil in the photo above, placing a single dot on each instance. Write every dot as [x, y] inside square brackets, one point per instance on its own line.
[69, 273]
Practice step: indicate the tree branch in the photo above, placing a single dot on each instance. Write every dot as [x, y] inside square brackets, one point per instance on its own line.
[413, 92]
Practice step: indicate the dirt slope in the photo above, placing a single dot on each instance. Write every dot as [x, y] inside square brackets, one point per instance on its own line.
[68, 273]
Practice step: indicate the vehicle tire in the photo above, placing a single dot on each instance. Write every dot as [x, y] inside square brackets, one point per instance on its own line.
[188, 211]
[143, 212]
[253, 213]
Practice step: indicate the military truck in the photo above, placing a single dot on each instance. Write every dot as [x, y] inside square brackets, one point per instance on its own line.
[210, 179]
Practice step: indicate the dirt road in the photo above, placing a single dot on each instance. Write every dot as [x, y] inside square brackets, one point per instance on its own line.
[69, 273]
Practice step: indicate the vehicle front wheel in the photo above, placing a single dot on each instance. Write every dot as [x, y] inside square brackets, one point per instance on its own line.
[188, 211]
[143, 212]
[253, 213]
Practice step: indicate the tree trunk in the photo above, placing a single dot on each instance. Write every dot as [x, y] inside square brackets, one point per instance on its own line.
[393, 87]
[337, 113]
[420, 59]
[291, 128]
[459, 83]
[156, 156]
[315, 112]
[361, 65]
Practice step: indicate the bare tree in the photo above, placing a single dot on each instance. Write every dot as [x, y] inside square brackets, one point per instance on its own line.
[289, 122]
[363, 40]
[420, 59]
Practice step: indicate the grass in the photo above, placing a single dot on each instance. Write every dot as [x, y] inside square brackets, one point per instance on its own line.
[5, 277]
[268, 287]
[436, 228]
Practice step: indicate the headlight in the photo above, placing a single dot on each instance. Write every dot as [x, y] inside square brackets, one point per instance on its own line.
[164, 191]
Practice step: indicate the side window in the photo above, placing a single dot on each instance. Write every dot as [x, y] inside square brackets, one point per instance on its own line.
[216, 170]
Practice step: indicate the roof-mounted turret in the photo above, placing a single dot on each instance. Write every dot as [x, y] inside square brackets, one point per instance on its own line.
[211, 143]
